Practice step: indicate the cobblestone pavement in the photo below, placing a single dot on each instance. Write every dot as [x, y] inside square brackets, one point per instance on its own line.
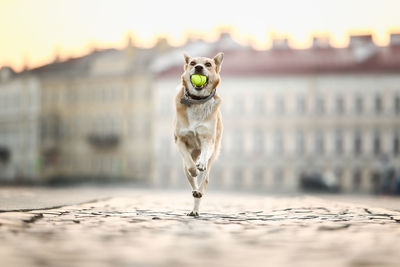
[151, 228]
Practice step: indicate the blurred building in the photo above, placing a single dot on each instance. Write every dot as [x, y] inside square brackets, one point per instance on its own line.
[324, 113]
[19, 126]
[95, 115]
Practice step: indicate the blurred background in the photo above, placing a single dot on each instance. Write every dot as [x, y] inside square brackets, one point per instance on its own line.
[310, 89]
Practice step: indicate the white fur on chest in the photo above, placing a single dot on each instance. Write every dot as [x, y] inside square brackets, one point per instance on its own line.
[197, 114]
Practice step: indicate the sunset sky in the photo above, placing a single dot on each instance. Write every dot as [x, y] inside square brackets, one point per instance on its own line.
[32, 32]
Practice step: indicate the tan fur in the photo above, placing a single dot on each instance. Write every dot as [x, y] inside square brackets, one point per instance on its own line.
[198, 128]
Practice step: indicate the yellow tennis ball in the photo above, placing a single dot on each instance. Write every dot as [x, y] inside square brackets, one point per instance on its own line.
[198, 79]
[203, 79]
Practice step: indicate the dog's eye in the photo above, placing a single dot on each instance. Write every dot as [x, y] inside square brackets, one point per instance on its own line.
[192, 63]
[208, 64]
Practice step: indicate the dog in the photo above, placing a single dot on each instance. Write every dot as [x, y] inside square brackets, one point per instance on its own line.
[198, 123]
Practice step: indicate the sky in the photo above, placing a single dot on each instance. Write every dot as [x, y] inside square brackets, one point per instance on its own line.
[34, 32]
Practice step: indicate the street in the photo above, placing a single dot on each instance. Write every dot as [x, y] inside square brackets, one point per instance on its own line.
[142, 227]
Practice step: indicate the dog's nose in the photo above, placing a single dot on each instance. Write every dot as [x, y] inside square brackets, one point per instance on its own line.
[198, 68]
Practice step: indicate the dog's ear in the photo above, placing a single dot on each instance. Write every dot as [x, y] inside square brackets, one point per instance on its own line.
[187, 58]
[218, 60]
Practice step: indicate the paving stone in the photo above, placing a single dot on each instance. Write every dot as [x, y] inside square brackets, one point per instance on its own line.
[18, 218]
[153, 230]
[336, 226]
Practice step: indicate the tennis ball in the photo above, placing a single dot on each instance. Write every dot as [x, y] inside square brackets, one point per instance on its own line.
[198, 79]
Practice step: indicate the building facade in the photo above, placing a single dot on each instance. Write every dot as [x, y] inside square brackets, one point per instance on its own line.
[323, 113]
[291, 114]
[19, 126]
[94, 116]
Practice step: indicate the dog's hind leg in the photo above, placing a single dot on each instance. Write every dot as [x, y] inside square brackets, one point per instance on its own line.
[192, 180]
[204, 183]
[204, 179]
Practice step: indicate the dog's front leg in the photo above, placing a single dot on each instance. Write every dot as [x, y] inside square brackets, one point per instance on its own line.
[197, 194]
[201, 165]
[190, 165]
[207, 149]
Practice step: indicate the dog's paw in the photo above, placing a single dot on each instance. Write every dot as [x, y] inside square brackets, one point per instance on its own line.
[201, 166]
[193, 213]
[197, 194]
[193, 172]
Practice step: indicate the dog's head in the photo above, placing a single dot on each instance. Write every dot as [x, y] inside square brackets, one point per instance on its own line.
[209, 67]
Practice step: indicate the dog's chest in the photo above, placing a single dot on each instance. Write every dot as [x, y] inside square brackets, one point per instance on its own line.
[197, 114]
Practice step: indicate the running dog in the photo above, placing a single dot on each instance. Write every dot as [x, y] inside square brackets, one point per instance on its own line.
[198, 124]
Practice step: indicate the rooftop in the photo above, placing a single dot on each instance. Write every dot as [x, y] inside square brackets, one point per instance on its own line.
[362, 55]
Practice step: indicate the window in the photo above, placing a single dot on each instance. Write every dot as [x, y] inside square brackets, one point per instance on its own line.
[357, 143]
[338, 142]
[217, 172]
[132, 125]
[15, 101]
[320, 105]
[237, 145]
[299, 142]
[319, 143]
[239, 105]
[340, 105]
[258, 145]
[356, 180]
[165, 150]
[359, 105]
[64, 130]
[301, 104]
[54, 97]
[238, 178]
[3, 101]
[146, 127]
[110, 125]
[116, 93]
[258, 178]
[259, 105]
[378, 105]
[71, 96]
[339, 175]
[396, 144]
[278, 142]
[280, 105]
[165, 107]
[278, 178]
[397, 105]
[377, 143]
